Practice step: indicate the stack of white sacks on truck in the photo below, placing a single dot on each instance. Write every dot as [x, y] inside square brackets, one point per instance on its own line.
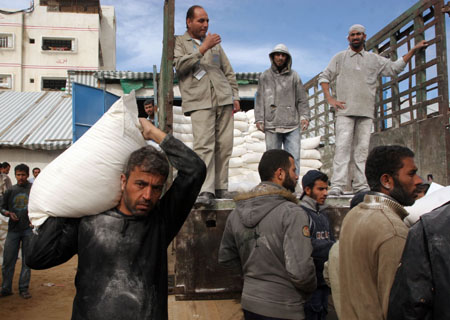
[248, 148]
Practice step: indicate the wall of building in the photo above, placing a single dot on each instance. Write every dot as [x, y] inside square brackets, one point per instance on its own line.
[11, 58]
[29, 63]
[39, 63]
[32, 158]
[108, 38]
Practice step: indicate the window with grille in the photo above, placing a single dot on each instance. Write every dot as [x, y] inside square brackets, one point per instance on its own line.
[53, 84]
[58, 44]
[5, 81]
[6, 41]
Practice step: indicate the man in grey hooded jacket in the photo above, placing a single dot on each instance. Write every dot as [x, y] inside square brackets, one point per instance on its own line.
[281, 105]
[268, 236]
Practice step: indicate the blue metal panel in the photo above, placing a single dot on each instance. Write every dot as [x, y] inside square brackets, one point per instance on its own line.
[88, 105]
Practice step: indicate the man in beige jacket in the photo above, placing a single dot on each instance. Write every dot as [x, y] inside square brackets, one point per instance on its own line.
[373, 234]
[209, 92]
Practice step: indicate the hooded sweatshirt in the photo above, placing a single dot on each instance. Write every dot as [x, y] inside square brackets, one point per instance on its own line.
[322, 238]
[281, 98]
[268, 236]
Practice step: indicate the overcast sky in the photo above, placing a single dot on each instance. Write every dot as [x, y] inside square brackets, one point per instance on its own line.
[313, 30]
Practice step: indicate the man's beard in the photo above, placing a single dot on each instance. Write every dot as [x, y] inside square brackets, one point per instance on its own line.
[289, 183]
[357, 45]
[400, 194]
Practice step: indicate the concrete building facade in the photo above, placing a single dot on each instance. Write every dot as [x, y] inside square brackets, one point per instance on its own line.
[39, 45]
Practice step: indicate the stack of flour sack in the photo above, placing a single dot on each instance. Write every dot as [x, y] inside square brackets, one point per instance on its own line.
[248, 148]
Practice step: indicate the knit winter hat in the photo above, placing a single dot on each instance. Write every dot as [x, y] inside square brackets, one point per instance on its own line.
[357, 27]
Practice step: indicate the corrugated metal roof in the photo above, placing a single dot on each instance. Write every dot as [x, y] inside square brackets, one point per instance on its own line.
[80, 76]
[36, 120]
[123, 75]
[251, 76]
[101, 75]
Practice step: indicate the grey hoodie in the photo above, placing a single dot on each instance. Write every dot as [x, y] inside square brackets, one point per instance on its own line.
[281, 99]
[268, 235]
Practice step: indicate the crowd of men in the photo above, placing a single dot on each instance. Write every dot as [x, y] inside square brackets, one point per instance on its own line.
[280, 243]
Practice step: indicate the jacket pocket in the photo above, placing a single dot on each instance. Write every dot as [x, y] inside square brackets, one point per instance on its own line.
[286, 116]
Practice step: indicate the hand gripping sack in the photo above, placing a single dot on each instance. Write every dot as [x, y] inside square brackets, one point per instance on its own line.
[85, 179]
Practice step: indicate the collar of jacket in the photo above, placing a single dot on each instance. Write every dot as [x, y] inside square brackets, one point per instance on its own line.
[267, 188]
[312, 204]
[378, 200]
[354, 53]
[285, 70]
[186, 36]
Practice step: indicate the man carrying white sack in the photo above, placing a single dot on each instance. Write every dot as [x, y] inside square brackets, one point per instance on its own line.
[354, 74]
[122, 253]
[281, 105]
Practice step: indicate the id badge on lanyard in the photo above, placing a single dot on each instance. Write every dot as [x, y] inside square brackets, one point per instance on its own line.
[200, 72]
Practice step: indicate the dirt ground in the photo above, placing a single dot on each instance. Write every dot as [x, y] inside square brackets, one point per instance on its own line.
[53, 291]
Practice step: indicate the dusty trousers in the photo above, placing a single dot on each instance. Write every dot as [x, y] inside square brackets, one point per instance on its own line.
[213, 142]
[351, 131]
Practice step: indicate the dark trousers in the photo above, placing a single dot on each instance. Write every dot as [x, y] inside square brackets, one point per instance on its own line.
[10, 253]
[254, 316]
[316, 308]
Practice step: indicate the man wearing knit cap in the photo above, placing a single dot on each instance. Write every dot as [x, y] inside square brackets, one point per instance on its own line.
[353, 74]
[281, 106]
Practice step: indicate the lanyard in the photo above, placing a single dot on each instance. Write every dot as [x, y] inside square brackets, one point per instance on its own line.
[194, 42]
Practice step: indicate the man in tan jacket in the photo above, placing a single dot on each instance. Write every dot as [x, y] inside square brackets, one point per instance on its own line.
[209, 92]
[373, 234]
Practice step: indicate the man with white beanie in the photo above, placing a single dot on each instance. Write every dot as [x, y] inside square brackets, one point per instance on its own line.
[281, 106]
[353, 74]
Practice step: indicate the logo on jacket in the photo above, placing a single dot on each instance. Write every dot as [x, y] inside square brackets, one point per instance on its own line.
[306, 231]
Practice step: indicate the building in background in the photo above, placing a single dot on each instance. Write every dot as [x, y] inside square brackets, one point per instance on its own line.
[39, 44]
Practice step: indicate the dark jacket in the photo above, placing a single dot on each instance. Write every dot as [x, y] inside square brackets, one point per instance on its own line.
[15, 200]
[421, 288]
[122, 260]
[321, 236]
[268, 235]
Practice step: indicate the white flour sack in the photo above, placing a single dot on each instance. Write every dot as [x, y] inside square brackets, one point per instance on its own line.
[85, 179]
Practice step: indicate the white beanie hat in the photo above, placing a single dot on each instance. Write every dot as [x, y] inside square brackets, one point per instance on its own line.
[357, 27]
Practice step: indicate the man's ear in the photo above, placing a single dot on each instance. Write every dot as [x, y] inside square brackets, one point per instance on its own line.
[387, 182]
[280, 174]
[123, 182]
[308, 191]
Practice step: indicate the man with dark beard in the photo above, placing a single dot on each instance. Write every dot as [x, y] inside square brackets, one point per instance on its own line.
[354, 75]
[268, 236]
[373, 233]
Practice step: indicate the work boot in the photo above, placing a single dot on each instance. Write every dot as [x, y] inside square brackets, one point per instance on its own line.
[335, 192]
[224, 194]
[205, 198]
[25, 294]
